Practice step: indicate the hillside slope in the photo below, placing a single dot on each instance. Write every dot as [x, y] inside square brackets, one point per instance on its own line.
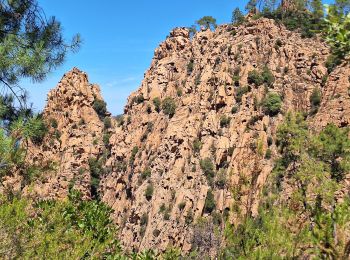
[195, 141]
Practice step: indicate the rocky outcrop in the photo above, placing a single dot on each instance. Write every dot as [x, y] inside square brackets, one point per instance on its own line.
[193, 135]
[202, 75]
[75, 136]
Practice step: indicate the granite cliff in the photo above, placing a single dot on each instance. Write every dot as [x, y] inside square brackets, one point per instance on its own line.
[195, 140]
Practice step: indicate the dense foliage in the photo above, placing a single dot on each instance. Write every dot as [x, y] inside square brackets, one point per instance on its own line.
[311, 220]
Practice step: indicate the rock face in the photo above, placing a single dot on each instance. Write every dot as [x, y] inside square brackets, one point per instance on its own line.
[187, 135]
[202, 75]
[75, 135]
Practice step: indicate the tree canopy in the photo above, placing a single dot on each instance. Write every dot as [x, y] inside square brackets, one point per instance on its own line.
[207, 22]
[31, 44]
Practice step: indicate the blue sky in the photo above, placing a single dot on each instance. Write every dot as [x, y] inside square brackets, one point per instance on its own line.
[119, 38]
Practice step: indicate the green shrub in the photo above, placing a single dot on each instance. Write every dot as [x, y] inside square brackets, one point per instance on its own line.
[166, 215]
[100, 107]
[149, 127]
[217, 218]
[149, 192]
[209, 205]
[234, 109]
[146, 173]
[53, 123]
[106, 138]
[221, 179]
[162, 208]
[272, 104]
[107, 122]
[230, 151]
[268, 154]
[267, 76]
[189, 217]
[269, 141]
[208, 168]
[157, 103]
[332, 62]
[278, 43]
[144, 219]
[315, 98]
[197, 145]
[149, 109]
[190, 67]
[138, 99]
[240, 91]
[169, 106]
[81, 122]
[182, 205]
[64, 229]
[120, 120]
[179, 92]
[254, 77]
[134, 151]
[156, 232]
[225, 121]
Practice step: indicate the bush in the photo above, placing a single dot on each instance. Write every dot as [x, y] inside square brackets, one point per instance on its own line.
[221, 179]
[332, 62]
[157, 103]
[138, 99]
[146, 173]
[267, 76]
[190, 67]
[208, 168]
[100, 107]
[107, 123]
[81, 122]
[225, 121]
[240, 91]
[144, 219]
[149, 192]
[179, 92]
[182, 205]
[149, 109]
[278, 43]
[209, 205]
[272, 104]
[134, 151]
[106, 138]
[156, 232]
[315, 100]
[254, 77]
[269, 141]
[169, 106]
[234, 110]
[120, 120]
[189, 217]
[268, 154]
[62, 229]
[53, 123]
[197, 145]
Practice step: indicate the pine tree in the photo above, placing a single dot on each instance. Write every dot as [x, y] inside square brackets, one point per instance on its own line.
[317, 9]
[32, 45]
[251, 6]
[237, 16]
[207, 22]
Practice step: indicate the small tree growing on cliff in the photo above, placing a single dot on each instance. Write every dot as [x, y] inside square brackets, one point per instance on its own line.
[237, 16]
[169, 106]
[207, 22]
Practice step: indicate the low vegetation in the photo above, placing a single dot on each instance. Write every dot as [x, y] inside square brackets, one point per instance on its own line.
[272, 104]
